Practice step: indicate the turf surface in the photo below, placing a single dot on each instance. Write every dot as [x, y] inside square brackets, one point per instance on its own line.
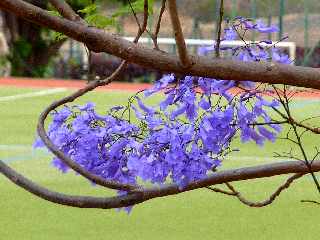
[195, 215]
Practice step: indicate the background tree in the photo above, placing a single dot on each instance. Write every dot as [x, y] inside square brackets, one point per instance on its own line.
[32, 47]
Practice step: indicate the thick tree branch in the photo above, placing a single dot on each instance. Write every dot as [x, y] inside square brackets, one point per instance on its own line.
[44, 57]
[100, 41]
[143, 195]
[178, 34]
[68, 200]
[261, 171]
[66, 11]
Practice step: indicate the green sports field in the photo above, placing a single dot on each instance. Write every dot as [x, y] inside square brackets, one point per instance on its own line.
[194, 215]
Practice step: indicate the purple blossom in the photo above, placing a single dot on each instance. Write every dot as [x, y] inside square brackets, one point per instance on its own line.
[279, 57]
[205, 50]
[183, 137]
[230, 34]
[263, 28]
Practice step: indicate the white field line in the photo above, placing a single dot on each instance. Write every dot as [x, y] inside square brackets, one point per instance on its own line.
[32, 94]
[257, 158]
[14, 147]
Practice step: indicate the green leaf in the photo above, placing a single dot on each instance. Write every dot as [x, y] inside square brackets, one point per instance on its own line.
[150, 6]
[91, 9]
[137, 6]
[100, 21]
[54, 13]
[23, 47]
[59, 36]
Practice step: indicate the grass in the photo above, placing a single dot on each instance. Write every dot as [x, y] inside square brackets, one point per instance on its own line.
[194, 215]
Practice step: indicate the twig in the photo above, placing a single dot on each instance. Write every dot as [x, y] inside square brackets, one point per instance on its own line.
[218, 190]
[142, 27]
[219, 25]
[154, 35]
[285, 103]
[310, 201]
[272, 196]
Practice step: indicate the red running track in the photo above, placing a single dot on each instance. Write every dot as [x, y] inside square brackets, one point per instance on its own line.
[120, 86]
[72, 84]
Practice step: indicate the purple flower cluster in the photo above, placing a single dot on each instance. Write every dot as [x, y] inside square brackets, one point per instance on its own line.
[97, 143]
[180, 140]
[264, 50]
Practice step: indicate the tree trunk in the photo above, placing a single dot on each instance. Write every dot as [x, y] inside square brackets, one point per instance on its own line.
[30, 52]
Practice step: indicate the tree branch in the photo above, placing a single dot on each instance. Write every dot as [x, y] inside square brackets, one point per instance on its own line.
[310, 201]
[311, 129]
[66, 11]
[218, 190]
[68, 200]
[44, 57]
[144, 194]
[219, 25]
[272, 197]
[178, 34]
[100, 41]
[155, 34]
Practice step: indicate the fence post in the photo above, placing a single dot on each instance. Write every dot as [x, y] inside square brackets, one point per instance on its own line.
[234, 9]
[306, 55]
[281, 13]
[253, 14]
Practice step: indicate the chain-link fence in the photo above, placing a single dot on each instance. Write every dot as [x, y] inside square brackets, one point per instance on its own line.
[299, 20]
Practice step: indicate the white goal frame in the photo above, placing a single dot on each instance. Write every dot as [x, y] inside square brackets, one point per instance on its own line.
[291, 46]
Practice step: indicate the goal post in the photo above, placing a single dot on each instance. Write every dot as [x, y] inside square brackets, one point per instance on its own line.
[289, 46]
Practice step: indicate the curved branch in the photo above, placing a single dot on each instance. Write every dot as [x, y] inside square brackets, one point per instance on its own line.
[310, 201]
[240, 174]
[68, 200]
[143, 195]
[67, 160]
[272, 197]
[55, 150]
[100, 41]
[218, 190]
